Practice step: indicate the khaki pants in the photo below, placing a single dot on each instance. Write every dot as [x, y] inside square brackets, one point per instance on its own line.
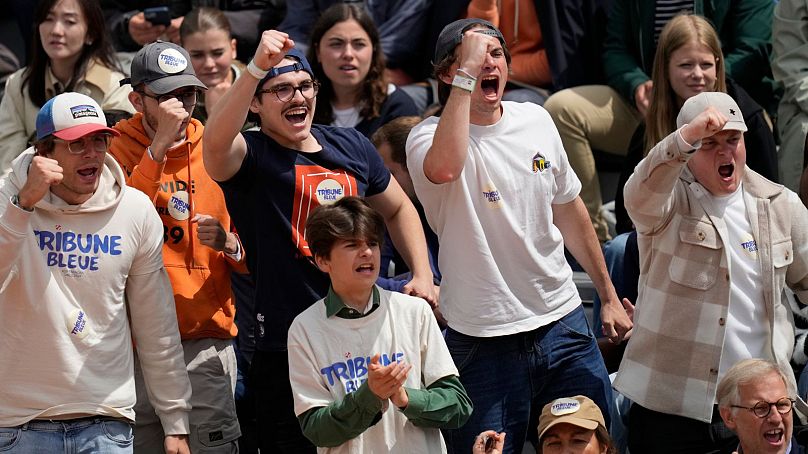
[211, 365]
[592, 116]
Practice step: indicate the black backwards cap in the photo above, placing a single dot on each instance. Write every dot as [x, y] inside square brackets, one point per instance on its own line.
[300, 65]
[452, 35]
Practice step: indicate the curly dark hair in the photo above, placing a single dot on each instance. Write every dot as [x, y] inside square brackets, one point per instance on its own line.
[374, 89]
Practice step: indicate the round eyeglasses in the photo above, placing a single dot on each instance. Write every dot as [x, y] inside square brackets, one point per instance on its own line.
[763, 408]
[188, 98]
[95, 142]
[286, 92]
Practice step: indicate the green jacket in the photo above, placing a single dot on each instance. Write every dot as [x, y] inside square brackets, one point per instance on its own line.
[744, 27]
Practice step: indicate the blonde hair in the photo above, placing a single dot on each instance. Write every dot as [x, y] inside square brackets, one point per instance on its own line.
[680, 31]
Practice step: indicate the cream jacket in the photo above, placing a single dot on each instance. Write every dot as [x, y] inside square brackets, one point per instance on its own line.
[18, 112]
[671, 363]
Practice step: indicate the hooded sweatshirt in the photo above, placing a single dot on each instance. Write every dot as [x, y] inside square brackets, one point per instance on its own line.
[73, 279]
[181, 188]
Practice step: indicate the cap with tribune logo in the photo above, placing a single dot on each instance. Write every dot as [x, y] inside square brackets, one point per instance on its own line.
[721, 101]
[70, 116]
[579, 411]
[163, 67]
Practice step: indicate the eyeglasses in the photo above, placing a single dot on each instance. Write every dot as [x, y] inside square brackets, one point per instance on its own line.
[286, 92]
[188, 98]
[97, 142]
[763, 408]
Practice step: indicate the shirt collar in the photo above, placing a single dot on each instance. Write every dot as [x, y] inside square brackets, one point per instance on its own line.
[335, 306]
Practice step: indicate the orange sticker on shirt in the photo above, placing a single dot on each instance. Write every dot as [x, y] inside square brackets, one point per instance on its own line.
[315, 186]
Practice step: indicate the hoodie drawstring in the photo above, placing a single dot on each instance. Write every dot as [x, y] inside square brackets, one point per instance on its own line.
[192, 212]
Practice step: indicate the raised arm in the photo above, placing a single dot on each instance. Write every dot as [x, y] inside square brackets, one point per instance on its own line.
[447, 156]
[225, 147]
[649, 191]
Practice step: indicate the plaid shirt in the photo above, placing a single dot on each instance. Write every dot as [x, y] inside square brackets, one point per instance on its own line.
[671, 363]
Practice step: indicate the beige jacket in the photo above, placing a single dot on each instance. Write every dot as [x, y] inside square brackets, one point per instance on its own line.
[18, 112]
[671, 363]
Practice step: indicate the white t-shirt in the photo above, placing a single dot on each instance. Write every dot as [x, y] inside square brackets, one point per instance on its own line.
[501, 257]
[747, 328]
[349, 118]
[346, 118]
[328, 358]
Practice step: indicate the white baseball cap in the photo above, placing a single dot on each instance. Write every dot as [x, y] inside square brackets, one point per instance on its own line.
[721, 101]
[70, 116]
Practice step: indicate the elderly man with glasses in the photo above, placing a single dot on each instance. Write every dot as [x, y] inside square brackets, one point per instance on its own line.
[756, 398]
[160, 150]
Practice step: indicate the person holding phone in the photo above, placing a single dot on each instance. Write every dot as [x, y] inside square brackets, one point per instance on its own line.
[135, 23]
[71, 52]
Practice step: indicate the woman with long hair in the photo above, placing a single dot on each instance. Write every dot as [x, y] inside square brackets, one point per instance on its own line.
[348, 62]
[70, 51]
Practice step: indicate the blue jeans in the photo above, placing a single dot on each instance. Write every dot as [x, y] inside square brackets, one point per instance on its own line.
[510, 378]
[95, 435]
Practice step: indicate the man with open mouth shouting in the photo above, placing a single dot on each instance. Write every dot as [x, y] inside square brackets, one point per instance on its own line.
[718, 243]
[83, 280]
[272, 179]
[756, 399]
[497, 189]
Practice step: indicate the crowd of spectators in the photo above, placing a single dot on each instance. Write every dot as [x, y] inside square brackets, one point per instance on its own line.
[483, 136]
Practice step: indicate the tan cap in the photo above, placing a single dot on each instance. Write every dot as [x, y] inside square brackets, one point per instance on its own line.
[579, 411]
[721, 101]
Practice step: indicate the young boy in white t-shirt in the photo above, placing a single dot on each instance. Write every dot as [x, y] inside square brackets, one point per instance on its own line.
[369, 369]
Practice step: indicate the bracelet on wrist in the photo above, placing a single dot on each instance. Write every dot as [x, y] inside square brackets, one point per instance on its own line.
[255, 71]
[464, 83]
[465, 74]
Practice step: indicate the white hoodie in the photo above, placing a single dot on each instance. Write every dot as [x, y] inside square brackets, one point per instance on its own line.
[69, 277]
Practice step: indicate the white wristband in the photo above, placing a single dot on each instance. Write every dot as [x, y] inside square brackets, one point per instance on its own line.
[464, 83]
[255, 71]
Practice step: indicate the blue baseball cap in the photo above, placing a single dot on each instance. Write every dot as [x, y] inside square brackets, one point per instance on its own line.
[301, 65]
[70, 116]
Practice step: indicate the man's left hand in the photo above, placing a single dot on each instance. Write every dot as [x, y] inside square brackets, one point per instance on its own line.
[177, 444]
[617, 319]
[422, 288]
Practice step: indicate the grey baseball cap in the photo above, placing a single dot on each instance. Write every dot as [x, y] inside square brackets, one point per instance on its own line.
[163, 67]
[721, 101]
[452, 35]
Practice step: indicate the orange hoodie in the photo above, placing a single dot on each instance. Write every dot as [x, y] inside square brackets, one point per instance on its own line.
[180, 188]
[519, 24]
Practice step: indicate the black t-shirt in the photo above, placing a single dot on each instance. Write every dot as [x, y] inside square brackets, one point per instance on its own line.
[269, 200]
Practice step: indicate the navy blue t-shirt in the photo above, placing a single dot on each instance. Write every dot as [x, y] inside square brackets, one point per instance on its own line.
[269, 200]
